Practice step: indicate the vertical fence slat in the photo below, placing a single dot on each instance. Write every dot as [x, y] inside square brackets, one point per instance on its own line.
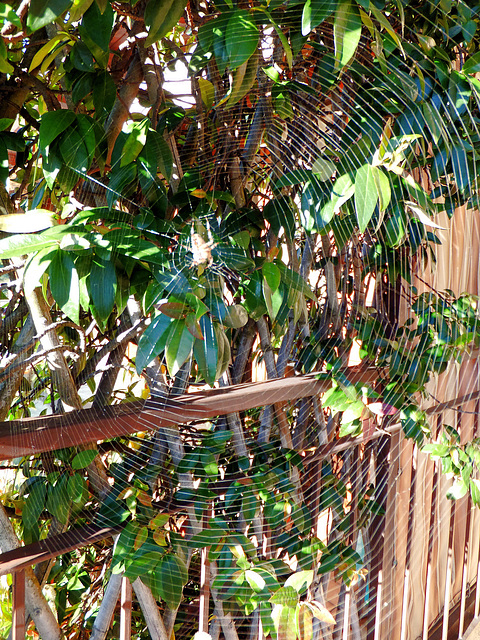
[431, 529]
[126, 609]
[18, 597]
[408, 550]
[203, 607]
[448, 575]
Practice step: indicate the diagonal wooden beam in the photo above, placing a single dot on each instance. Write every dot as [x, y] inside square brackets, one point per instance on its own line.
[37, 435]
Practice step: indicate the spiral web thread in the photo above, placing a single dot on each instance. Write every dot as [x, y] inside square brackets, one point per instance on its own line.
[411, 561]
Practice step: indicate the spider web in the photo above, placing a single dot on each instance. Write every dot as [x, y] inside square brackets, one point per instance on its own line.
[346, 491]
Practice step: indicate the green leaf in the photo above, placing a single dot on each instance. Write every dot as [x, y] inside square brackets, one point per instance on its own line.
[64, 284]
[52, 124]
[36, 267]
[472, 64]
[169, 577]
[102, 285]
[35, 503]
[366, 195]
[104, 93]
[286, 596]
[208, 462]
[161, 16]
[155, 155]
[129, 243]
[86, 127]
[84, 458]
[206, 350]
[315, 12]
[241, 38]
[347, 29]
[135, 141]
[7, 14]
[178, 346]
[300, 580]
[235, 317]
[42, 12]
[458, 489]
[342, 190]
[74, 151]
[97, 25]
[20, 245]
[382, 184]
[5, 66]
[460, 166]
[58, 501]
[255, 580]
[120, 181]
[475, 491]
[279, 213]
[272, 275]
[153, 340]
[323, 168]
[206, 538]
[293, 279]
[77, 489]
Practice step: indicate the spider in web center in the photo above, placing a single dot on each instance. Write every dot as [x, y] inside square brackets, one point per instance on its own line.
[202, 250]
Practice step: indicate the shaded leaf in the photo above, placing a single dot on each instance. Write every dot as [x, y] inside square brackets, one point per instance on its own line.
[241, 38]
[152, 341]
[315, 12]
[52, 124]
[42, 12]
[64, 284]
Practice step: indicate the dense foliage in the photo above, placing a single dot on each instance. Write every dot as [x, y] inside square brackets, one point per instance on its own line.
[275, 215]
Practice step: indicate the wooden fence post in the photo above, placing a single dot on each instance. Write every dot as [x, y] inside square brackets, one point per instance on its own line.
[125, 609]
[18, 597]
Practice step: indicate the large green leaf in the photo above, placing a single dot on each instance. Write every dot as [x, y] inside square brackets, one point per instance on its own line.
[206, 351]
[20, 245]
[74, 151]
[35, 503]
[169, 578]
[161, 16]
[241, 38]
[347, 29]
[52, 124]
[104, 93]
[342, 190]
[179, 346]
[155, 155]
[102, 285]
[272, 275]
[279, 213]
[86, 127]
[153, 340]
[135, 141]
[42, 12]
[382, 184]
[129, 243]
[315, 12]
[294, 280]
[366, 195]
[472, 64]
[64, 284]
[120, 181]
[97, 26]
[36, 267]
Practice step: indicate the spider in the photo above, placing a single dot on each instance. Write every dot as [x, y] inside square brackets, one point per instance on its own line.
[202, 251]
